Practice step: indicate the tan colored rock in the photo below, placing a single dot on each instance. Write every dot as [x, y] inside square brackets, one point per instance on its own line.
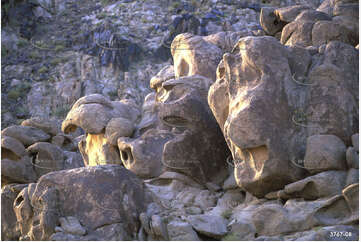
[269, 21]
[263, 84]
[104, 121]
[192, 55]
[289, 13]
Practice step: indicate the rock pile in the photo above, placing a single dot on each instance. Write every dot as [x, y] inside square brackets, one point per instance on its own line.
[249, 135]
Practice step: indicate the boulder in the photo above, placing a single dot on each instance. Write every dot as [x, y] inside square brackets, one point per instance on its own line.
[19, 171]
[352, 158]
[178, 230]
[12, 148]
[104, 121]
[177, 133]
[48, 126]
[212, 226]
[192, 55]
[25, 134]
[325, 152]
[113, 195]
[8, 218]
[291, 88]
[355, 142]
[324, 184]
[47, 157]
[71, 225]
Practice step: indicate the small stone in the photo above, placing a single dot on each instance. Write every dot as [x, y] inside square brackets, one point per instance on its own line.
[181, 231]
[209, 225]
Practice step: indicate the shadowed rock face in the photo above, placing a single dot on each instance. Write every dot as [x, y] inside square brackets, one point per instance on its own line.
[177, 132]
[269, 98]
[304, 26]
[110, 194]
[34, 148]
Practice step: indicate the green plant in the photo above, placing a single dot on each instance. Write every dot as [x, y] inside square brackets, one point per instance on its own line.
[113, 94]
[226, 214]
[14, 94]
[231, 237]
[21, 43]
[61, 111]
[18, 90]
[59, 47]
[101, 15]
[43, 69]
[34, 55]
[56, 61]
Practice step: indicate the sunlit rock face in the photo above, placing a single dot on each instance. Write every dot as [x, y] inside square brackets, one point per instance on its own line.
[96, 196]
[269, 98]
[177, 132]
[103, 121]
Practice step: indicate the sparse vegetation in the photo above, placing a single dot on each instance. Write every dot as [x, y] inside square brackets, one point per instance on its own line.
[59, 47]
[231, 237]
[227, 214]
[61, 111]
[19, 90]
[43, 70]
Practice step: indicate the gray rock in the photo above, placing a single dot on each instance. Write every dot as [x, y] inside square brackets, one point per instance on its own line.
[72, 225]
[355, 142]
[26, 135]
[352, 158]
[181, 231]
[325, 152]
[212, 226]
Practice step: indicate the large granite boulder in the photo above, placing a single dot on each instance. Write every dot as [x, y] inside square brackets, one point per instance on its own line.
[104, 121]
[269, 98]
[82, 201]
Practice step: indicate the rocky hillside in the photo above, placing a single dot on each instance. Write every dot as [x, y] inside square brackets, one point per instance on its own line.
[180, 120]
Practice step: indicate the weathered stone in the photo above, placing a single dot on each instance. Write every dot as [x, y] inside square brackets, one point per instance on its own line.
[325, 152]
[114, 196]
[355, 142]
[302, 94]
[212, 226]
[8, 218]
[183, 231]
[193, 55]
[288, 14]
[48, 126]
[71, 225]
[352, 158]
[26, 135]
[325, 31]
[20, 171]
[269, 21]
[174, 134]
[324, 184]
[47, 157]
[11, 148]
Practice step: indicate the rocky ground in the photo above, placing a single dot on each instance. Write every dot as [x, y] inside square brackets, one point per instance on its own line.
[180, 120]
